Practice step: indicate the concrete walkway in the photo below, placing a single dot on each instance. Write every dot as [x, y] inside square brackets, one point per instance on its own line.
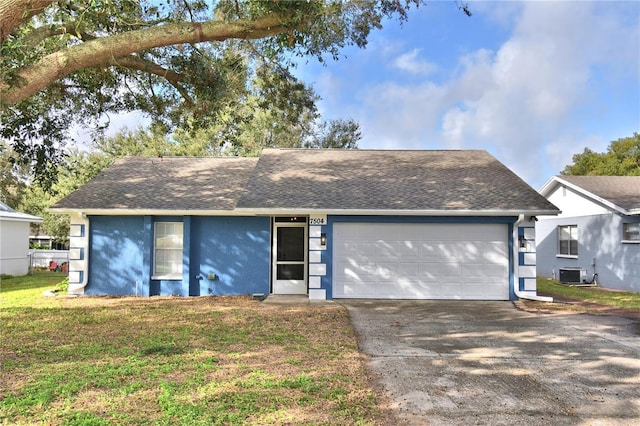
[292, 299]
[461, 363]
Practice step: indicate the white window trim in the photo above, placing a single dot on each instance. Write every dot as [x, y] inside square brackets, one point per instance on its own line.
[174, 276]
[167, 277]
[567, 255]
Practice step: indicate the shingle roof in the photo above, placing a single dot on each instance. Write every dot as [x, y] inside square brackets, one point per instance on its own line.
[302, 179]
[169, 183]
[387, 180]
[623, 191]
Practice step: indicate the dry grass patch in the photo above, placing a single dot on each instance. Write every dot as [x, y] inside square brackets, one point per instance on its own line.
[191, 361]
[576, 299]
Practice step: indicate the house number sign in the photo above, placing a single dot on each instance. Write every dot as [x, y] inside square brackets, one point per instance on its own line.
[318, 219]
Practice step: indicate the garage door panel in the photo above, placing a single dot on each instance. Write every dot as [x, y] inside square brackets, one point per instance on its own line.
[420, 261]
[430, 271]
[493, 272]
[450, 272]
[388, 250]
[408, 250]
[482, 272]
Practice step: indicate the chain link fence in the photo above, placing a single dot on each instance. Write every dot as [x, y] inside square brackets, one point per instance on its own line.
[49, 262]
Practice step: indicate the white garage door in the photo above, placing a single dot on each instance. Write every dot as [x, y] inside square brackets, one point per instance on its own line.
[420, 261]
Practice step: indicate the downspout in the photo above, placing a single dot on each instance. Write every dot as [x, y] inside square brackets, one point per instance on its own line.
[80, 241]
[516, 281]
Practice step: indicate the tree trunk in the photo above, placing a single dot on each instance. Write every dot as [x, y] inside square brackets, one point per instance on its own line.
[15, 12]
[103, 51]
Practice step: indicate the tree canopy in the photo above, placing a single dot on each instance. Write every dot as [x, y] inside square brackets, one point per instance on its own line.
[184, 63]
[622, 158]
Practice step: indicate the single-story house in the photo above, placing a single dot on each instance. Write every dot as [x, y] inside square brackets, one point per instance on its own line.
[14, 240]
[598, 231]
[329, 224]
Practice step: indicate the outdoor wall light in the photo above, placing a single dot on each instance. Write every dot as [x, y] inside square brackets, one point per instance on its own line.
[323, 239]
[523, 241]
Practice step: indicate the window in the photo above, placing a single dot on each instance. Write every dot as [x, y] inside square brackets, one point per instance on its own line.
[631, 232]
[168, 250]
[568, 240]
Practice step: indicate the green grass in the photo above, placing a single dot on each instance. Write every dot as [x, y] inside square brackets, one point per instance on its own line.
[27, 291]
[173, 361]
[619, 299]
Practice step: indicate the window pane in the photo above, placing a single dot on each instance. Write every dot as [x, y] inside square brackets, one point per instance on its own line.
[290, 244]
[168, 248]
[168, 262]
[168, 235]
[568, 240]
[290, 272]
[573, 248]
[631, 231]
[574, 232]
[564, 247]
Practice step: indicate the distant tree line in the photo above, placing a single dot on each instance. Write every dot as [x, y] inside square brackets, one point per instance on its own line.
[622, 158]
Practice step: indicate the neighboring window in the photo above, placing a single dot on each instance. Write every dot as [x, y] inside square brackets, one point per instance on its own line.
[168, 249]
[631, 232]
[568, 240]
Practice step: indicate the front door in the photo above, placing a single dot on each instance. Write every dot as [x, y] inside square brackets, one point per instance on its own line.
[289, 268]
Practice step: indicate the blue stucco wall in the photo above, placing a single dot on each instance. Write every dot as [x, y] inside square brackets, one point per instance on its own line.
[118, 257]
[235, 249]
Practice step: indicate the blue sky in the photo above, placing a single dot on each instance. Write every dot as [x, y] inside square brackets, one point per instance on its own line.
[531, 82]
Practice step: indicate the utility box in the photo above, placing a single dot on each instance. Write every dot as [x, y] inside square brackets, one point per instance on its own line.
[572, 275]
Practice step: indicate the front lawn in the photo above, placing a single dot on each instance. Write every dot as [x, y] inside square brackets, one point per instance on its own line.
[618, 299]
[168, 361]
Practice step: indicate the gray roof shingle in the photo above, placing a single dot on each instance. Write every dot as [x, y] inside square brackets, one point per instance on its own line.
[623, 191]
[424, 180]
[306, 179]
[169, 183]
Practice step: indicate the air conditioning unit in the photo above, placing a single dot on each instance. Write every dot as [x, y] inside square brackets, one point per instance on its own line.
[572, 275]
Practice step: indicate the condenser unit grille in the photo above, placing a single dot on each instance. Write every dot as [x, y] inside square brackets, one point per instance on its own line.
[571, 275]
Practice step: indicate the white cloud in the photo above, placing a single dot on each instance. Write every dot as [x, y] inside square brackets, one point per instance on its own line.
[522, 101]
[412, 63]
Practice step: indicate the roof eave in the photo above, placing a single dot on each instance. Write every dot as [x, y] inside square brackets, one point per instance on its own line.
[142, 212]
[29, 219]
[549, 185]
[393, 212]
[298, 211]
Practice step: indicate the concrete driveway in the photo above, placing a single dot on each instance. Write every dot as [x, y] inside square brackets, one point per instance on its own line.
[456, 362]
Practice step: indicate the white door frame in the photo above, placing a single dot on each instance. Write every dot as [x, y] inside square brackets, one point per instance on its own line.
[287, 285]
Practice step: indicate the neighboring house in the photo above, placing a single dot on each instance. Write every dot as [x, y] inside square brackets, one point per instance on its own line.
[323, 223]
[47, 242]
[14, 240]
[598, 231]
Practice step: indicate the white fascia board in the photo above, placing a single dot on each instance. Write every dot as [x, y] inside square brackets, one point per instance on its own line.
[592, 196]
[21, 218]
[548, 187]
[348, 212]
[300, 211]
[146, 212]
